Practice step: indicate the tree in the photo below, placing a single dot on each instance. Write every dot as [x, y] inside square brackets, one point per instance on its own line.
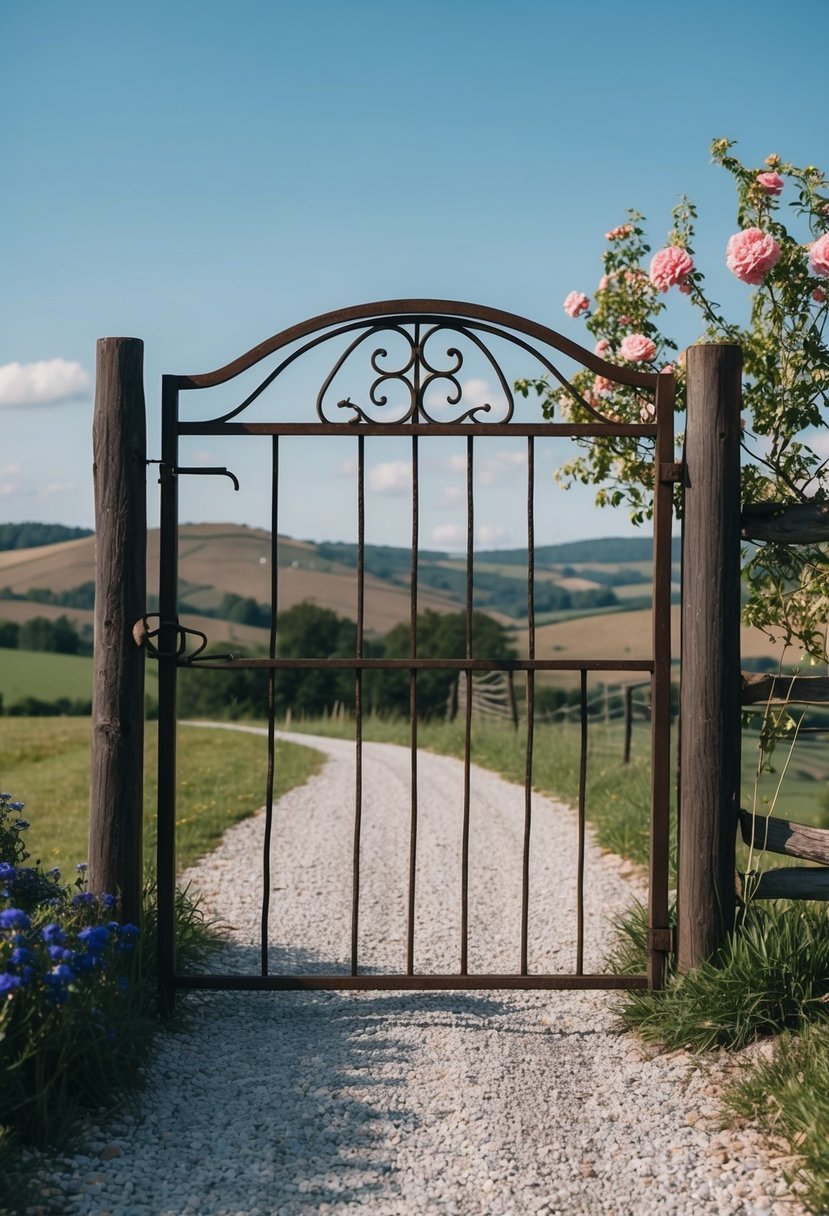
[58, 636]
[439, 636]
[786, 367]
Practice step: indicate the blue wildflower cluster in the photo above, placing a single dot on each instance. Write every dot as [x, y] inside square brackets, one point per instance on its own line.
[67, 977]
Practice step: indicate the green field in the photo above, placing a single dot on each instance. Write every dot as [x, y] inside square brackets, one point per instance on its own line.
[34, 673]
[44, 763]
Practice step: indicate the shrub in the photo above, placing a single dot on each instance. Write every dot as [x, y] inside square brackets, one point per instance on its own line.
[771, 975]
[77, 990]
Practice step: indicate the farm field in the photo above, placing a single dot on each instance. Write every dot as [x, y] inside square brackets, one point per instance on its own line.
[34, 673]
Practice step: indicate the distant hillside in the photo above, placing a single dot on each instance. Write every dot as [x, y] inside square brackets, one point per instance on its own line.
[591, 596]
[32, 535]
[608, 550]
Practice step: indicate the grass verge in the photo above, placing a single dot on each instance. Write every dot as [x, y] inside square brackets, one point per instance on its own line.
[45, 763]
[788, 1097]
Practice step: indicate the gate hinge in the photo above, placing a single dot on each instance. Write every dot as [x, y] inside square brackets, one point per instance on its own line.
[669, 473]
[661, 940]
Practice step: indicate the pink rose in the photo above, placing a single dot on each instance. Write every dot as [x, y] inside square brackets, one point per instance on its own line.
[603, 387]
[667, 367]
[819, 255]
[750, 254]
[616, 234]
[602, 346]
[819, 295]
[637, 348]
[648, 411]
[670, 267]
[772, 183]
[575, 304]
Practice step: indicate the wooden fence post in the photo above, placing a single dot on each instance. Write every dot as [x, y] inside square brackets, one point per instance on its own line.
[119, 470]
[710, 687]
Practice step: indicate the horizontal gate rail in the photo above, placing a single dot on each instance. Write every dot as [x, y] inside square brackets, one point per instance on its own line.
[405, 983]
[377, 664]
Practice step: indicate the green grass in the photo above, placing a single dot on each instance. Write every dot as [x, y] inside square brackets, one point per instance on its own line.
[771, 975]
[44, 762]
[34, 673]
[777, 1096]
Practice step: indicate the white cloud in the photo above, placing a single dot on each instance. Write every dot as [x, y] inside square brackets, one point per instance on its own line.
[41, 383]
[56, 488]
[493, 536]
[448, 536]
[489, 469]
[499, 466]
[11, 480]
[450, 496]
[391, 477]
[475, 392]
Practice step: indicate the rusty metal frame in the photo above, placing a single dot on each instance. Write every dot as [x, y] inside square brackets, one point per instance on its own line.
[420, 321]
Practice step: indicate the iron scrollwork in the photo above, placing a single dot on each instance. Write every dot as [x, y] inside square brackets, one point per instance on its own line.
[418, 372]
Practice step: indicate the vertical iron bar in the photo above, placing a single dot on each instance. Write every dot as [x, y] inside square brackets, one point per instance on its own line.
[413, 710]
[467, 749]
[658, 901]
[266, 843]
[528, 772]
[580, 864]
[167, 678]
[358, 700]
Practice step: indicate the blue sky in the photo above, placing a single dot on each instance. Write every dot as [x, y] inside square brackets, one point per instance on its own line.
[202, 175]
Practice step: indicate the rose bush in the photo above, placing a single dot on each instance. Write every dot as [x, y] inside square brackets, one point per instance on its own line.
[786, 370]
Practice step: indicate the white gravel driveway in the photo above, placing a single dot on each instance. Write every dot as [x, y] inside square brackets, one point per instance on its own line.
[475, 1103]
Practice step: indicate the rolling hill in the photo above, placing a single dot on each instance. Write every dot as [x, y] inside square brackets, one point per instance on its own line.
[220, 559]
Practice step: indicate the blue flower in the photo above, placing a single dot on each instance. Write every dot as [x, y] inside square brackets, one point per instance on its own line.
[8, 983]
[53, 934]
[109, 901]
[95, 939]
[84, 962]
[129, 931]
[7, 871]
[54, 873]
[61, 974]
[82, 867]
[20, 955]
[14, 918]
[83, 899]
[17, 806]
[5, 797]
[21, 824]
[59, 954]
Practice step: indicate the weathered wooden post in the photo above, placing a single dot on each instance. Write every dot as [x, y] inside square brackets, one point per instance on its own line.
[710, 689]
[119, 469]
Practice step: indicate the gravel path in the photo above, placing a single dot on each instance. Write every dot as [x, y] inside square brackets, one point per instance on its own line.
[470, 1103]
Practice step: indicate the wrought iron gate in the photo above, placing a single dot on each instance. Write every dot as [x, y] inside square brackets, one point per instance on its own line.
[421, 326]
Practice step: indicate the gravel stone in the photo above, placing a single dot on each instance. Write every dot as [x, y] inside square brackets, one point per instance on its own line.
[474, 1103]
